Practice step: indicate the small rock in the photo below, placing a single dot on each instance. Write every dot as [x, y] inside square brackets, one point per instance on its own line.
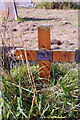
[34, 25]
[18, 22]
[71, 44]
[7, 38]
[32, 29]
[58, 42]
[66, 22]
[26, 29]
[3, 26]
[74, 31]
[14, 30]
[55, 47]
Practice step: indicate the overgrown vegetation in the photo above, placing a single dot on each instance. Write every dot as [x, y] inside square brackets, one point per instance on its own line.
[25, 95]
[58, 5]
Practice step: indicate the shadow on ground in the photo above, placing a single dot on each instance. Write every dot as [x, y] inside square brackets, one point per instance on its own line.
[38, 19]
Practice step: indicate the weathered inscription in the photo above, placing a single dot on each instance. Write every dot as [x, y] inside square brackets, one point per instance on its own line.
[44, 55]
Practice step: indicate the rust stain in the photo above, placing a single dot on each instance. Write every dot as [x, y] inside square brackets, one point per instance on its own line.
[44, 42]
[64, 56]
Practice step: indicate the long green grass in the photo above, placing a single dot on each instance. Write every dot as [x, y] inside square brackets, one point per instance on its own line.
[26, 96]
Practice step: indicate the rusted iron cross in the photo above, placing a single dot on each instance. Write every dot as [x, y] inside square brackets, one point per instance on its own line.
[44, 55]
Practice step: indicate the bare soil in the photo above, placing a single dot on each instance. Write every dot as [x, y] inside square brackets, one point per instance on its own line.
[63, 33]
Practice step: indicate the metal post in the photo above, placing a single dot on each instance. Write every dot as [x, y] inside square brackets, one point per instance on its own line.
[44, 44]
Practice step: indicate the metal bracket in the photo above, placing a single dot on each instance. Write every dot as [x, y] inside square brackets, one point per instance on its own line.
[77, 56]
[44, 55]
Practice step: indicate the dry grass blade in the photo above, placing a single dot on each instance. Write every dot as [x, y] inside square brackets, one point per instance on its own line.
[23, 63]
[28, 66]
[6, 75]
[27, 62]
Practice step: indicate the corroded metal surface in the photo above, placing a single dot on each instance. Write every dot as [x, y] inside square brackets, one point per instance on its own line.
[77, 56]
[64, 56]
[8, 10]
[44, 42]
[20, 54]
[44, 36]
[58, 55]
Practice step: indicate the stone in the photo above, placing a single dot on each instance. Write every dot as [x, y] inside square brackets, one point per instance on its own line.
[8, 10]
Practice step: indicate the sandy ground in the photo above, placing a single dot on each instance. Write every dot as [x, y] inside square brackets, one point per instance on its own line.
[63, 33]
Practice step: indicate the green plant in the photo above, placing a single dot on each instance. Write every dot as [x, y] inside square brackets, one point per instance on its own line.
[23, 98]
[39, 5]
[20, 19]
[58, 5]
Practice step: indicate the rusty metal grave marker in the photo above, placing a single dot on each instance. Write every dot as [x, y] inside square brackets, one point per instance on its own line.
[44, 55]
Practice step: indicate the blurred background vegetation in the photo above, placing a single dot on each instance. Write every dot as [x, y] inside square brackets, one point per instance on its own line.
[58, 5]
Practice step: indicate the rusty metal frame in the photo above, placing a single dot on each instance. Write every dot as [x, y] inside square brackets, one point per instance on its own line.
[64, 55]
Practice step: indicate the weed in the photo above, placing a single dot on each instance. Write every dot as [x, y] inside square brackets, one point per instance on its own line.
[20, 19]
[58, 5]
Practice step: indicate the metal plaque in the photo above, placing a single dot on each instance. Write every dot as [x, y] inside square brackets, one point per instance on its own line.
[77, 56]
[44, 55]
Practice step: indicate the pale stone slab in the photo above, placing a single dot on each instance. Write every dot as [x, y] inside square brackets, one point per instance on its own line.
[8, 10]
